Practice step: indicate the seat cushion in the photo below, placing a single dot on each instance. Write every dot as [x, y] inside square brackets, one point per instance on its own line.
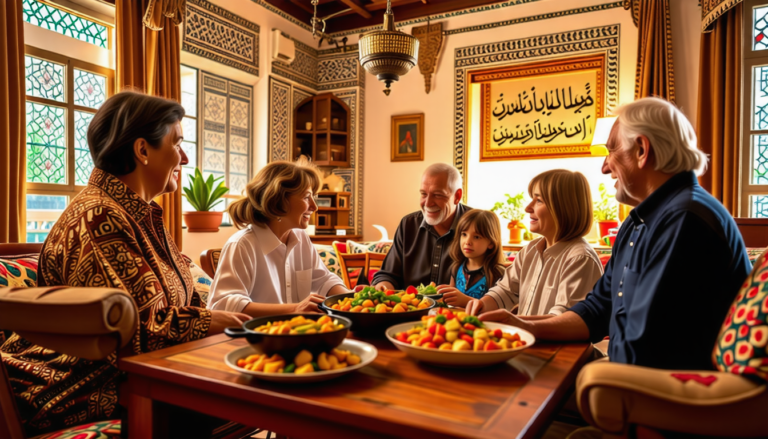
[96, 430]
[202, 281]
[741, 344]
[19, 272]
[371, 247]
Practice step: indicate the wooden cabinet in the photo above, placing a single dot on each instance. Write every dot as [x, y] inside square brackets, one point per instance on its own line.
[321, 130]
[332, 212]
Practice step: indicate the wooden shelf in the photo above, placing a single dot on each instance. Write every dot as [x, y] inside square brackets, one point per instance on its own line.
[325, 146]
[337, 215]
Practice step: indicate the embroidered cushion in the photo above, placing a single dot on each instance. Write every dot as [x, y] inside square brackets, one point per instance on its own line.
[202, 281]
[19, 272]
[96, 430]
[328, 256]
[373, 247]
[741, 344]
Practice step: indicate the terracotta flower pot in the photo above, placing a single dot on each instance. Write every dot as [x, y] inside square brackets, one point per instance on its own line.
[202, 221]
[605, 225]
[515, 232]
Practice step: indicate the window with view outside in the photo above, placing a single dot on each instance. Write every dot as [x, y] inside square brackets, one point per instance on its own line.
[42, 213]
[754, 182]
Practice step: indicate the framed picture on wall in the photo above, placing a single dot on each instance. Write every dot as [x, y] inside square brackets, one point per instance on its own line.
[408, 138]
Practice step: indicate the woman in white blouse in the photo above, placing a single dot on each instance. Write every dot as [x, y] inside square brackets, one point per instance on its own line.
[557, 270]
[270, 266]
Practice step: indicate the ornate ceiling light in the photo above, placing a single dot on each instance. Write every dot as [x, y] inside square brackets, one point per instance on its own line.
[388, 53]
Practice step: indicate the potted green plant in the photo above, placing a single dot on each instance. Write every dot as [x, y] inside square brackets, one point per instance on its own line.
[204, 195]
[605, 211]
[512, 210]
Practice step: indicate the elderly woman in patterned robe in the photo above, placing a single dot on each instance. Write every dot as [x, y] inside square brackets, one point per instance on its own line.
[112, 235]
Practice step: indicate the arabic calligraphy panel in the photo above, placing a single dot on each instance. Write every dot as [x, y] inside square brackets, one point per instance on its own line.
[541, 110]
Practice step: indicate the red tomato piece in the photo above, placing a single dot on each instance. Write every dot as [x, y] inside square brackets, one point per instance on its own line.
[468, 339]
[469, 326]
[439, 330]
[389, 292]
[402, 336]
[411, 290]
[497, 333]
[429, 345]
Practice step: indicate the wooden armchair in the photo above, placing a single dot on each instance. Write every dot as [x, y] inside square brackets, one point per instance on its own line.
[209, 261]
[754, 231]
[85, 322]
[349, 261]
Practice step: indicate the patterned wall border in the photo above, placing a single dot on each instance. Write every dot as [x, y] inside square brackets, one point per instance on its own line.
[207, 42]
[547, 16]
[603, 39]
[350, 97]
[340, 71]
[331, 69]
[279, 120]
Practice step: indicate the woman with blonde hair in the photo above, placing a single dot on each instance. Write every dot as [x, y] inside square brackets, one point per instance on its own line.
[557, 270]
[270, 266]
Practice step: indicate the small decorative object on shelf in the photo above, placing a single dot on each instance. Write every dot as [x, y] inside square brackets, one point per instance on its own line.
[605, 211]
[513, 210]
[204, 196]
[308, 126]
[323, 202]
[333, 212]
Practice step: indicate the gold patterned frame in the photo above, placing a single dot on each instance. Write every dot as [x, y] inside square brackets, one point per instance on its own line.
[539, 69]
[397, 121]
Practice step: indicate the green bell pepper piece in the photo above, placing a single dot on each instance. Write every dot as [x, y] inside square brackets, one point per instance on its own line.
[291, 367]
[441, 319]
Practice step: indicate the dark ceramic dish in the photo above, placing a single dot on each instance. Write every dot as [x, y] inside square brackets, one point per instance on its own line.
[288, 345]
[373, 323]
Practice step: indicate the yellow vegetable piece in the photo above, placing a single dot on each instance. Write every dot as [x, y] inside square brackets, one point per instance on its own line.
[504, 343]
[284, 329]
[398, 308]
[341, 355]
[252, 358]
[415, 302]
[367, 303]
[381, 308]
[461, 345]
[307, 368]
[274, 329]
[311, 331]
[446, 346]
[258, 366]
[280, 370]
[324, 319]
[413, 337]
[365, 310]
[322, 361]
[481, 334]
[353, 359]
[478, 344]
[333, 361]
[452, 325]
[273, 366]
[340, 366]
[358, 308]
[451, 336]
[303, 358]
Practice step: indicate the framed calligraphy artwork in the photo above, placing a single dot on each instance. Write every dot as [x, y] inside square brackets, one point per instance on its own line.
[408, 138]
[542, 110]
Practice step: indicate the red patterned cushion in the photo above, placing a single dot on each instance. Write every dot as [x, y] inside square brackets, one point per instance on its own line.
[19, 271]
[97, 430]
[741, 345]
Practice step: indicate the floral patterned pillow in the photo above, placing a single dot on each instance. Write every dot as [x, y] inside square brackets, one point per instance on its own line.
[19, 272]
[373, 247]
[328, 256]
[741, 344]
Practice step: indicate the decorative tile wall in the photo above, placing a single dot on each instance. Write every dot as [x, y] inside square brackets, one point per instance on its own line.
[603, 39]
[217, 34]
[227, 130]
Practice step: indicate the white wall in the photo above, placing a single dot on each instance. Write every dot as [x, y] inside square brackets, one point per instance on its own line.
[391, 189]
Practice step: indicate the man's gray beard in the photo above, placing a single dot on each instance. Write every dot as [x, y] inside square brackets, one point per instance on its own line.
[434, 222]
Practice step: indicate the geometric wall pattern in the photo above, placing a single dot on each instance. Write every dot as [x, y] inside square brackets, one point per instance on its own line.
[215, 33]
[227, 130]
[596, 40]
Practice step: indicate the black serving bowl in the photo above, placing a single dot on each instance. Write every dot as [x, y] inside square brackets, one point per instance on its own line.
[287, 345]
[373, 323]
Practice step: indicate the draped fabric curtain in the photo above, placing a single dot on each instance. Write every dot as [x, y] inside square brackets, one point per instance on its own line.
[720, 105]
[655, 70]
[148, 60]
[13, 171]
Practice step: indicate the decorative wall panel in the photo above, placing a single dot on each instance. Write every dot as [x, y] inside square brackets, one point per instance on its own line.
[227, 130]
[215, 33]
[303, 69]
[279, 120]
[596, 40]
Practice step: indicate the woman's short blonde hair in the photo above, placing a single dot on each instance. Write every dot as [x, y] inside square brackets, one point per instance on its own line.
[267, 194]
[569, 200]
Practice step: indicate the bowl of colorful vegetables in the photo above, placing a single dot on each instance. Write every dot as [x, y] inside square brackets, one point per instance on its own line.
[457, 339]
[288, 334]
[371, 311]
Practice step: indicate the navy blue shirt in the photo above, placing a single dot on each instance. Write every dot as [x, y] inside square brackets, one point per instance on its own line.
[676, 266]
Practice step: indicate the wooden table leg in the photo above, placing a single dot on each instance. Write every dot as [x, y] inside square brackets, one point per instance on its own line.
[146, 418]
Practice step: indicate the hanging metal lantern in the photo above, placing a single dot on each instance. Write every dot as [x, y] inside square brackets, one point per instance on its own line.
[388, 53]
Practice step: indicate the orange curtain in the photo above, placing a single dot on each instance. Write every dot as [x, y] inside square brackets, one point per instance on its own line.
[13, 152]
[655, 69]
[720, 105]
[149, 60]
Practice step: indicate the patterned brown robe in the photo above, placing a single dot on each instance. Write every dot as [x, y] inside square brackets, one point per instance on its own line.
[107, 237]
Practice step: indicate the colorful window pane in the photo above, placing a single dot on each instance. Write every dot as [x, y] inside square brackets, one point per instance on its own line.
[759, 206]
[83, 160]
[760, 159]
[760, 98]
[65, 23]
[760, 28]
[90, 89]
[46, 144]
[42, 213]
[44, 79]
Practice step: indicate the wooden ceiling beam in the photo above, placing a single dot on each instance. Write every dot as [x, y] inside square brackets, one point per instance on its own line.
[357, 7]
[305, 5]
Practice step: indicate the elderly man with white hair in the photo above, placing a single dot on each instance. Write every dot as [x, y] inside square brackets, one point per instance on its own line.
[421, 249]
[678, 260]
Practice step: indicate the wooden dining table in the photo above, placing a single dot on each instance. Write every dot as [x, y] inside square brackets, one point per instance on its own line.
[394, 396]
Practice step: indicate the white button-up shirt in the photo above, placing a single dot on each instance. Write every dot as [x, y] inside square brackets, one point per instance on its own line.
[548, 280]
[255, 266]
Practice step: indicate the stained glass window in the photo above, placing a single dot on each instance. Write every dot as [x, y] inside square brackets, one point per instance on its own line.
[759, 206]
[46, 144]
[760, 98]
[760, 28]
[65, 23]
[83, 160]
[90, 89]
[44, 78]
